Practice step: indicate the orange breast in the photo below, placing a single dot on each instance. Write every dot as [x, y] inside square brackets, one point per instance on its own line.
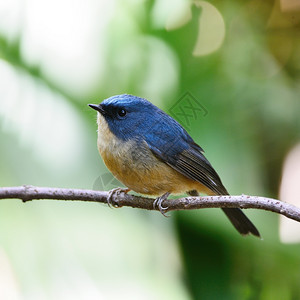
[138, 169]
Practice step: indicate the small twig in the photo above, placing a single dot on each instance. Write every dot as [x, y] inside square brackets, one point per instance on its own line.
[28, 193]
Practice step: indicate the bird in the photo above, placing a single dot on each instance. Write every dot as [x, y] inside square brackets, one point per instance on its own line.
[152, 154]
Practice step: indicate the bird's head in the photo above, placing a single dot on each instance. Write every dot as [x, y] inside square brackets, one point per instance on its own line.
[127, 116]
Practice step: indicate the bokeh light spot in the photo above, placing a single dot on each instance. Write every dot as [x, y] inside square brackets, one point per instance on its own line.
[211, 32]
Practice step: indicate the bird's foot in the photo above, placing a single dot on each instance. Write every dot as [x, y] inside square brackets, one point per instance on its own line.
[115, 192]
[158, 203]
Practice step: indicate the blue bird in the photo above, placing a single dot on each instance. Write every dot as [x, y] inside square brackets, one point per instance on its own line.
[153, 154]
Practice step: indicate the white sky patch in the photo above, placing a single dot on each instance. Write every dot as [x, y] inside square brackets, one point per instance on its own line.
[66, 39]
[10, 17]
[44, 122]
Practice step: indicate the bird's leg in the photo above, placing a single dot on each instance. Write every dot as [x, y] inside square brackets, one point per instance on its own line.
[158, 203]
[116, 191]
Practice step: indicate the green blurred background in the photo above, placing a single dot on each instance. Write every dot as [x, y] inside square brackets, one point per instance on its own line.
[239, 60]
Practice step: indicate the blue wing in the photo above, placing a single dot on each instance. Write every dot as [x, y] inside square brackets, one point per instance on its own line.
[170, 142]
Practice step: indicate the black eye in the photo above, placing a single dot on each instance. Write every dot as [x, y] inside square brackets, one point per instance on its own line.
[122, 112]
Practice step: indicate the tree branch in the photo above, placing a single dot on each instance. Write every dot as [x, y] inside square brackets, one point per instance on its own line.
[28, 193]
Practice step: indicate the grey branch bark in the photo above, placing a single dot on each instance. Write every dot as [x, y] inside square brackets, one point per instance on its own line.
[28, 193]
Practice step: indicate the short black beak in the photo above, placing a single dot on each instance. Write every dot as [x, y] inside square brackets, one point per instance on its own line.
[97, 108]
